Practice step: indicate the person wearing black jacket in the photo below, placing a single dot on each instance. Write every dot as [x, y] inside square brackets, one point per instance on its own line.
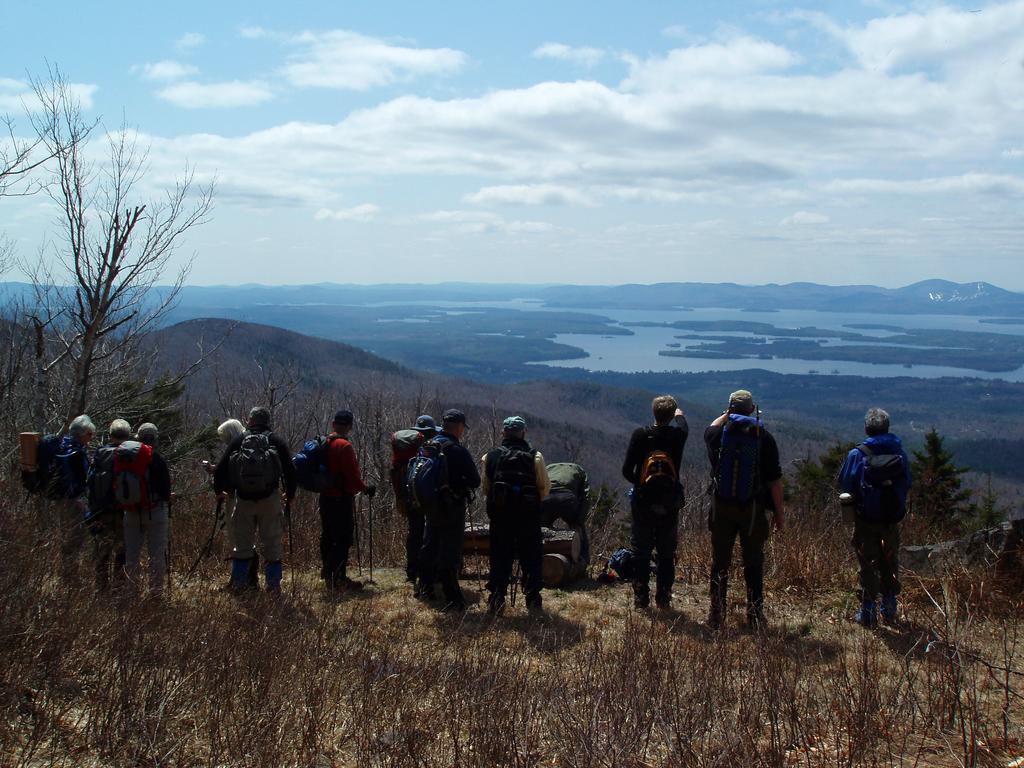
[516, 482]
[747, 519]
[441, 555]
[652, 465]
[151, 521]
[254, 466]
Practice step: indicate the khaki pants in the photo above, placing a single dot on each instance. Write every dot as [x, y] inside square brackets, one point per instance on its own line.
[152, 525]
[264, 516]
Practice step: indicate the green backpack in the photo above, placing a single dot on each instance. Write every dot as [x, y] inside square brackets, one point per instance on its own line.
[567, 476]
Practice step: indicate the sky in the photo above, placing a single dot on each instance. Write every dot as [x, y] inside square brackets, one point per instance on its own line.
[547, 142]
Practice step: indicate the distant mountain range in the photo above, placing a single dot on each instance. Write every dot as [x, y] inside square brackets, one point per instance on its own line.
[925, 297]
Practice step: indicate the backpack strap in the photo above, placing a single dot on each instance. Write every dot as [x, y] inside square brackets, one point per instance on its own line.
[863, 448]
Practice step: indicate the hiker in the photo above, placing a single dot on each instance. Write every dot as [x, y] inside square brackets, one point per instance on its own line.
[405, 444]
[150, 520]
[105, 518]
[877, 474]
[515, 480]
[254, 465]
[747, 489]
[69, 487]
[455, 479]
[227, 432]
[652, 465]
[568, 501]
[337, 504]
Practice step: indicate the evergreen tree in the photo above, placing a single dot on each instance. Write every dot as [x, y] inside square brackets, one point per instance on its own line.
[990, 512]
[815, 480]
[937, 494]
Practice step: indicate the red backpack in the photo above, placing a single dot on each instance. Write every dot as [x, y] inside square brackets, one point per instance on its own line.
[131, 475]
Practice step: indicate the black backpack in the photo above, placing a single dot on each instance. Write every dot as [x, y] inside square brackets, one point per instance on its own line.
[880, 480]
[101, 478]
[255, 466]
[513, 481]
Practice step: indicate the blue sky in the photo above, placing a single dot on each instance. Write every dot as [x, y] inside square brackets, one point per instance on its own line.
[588, 142]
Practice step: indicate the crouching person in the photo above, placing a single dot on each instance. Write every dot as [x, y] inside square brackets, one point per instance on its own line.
[568, 501]
[150, 520]
[254, 466]
[877, 474]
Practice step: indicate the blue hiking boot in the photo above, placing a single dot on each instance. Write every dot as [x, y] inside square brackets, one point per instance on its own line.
[890, 609]
[272, 573]
[867, 615]
[239, 575]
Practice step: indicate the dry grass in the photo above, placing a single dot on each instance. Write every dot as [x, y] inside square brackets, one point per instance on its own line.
[378, 679]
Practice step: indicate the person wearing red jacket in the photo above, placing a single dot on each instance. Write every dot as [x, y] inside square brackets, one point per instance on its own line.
[337, 504]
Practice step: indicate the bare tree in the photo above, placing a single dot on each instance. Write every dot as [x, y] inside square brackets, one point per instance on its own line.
[99, 292]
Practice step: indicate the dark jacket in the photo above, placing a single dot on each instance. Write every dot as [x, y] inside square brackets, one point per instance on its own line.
[222, 481]
[670, 438]
[463, 476]
[159, 480]
[73, 461]
[769, 468]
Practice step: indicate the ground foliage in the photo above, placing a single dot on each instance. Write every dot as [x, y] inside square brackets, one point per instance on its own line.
[379, 679]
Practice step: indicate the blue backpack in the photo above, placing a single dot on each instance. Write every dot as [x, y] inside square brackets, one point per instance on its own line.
[736, 477]
[310, 464]
[50, 477]
[625, 565]
[426, 477]
[881, 478]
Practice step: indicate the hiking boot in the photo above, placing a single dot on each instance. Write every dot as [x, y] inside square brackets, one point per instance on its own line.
[454, 606]
[424, 592]
[715, 617]
[534, 603]
[756, 621]
[496, 604]
[348, 585]
[641, 596]
[240, 576]
[867, 615]
[663, 599]
[889, 609]
[272, 574]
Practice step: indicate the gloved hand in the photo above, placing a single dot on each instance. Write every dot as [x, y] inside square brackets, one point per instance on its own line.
[371, 491]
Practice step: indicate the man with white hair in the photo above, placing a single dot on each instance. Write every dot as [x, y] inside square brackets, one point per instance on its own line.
[254, 466]
[877, 474]
[70, 487]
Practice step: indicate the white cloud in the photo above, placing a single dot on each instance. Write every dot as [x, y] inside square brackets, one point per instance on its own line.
[580, 56]
[236, 93]
[1013, 153]
[349, 61]
[985, 183]
[17, 95]
[804, 218]
[168, 70]
[189, 41]
[482, 222]
[252, 32]
[362, 213]
[529, 194]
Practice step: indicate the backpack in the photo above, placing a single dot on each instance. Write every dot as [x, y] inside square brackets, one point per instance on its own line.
[880, 480]
[131, 474]
[255, 466]
[405, 444]
[426, 477]
[657, 488]
[513, 480]
[311, 472]
[101, 478]
[569, 477]
[49, 478]
[736, 475]
[623, 565]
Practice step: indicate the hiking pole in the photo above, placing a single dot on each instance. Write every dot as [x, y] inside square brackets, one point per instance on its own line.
[291, 549]
[369, 507]
[167, 554]
[217, 518]
[355, 526]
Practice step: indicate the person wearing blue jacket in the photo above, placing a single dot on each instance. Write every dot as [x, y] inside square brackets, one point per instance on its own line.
[877, 474]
